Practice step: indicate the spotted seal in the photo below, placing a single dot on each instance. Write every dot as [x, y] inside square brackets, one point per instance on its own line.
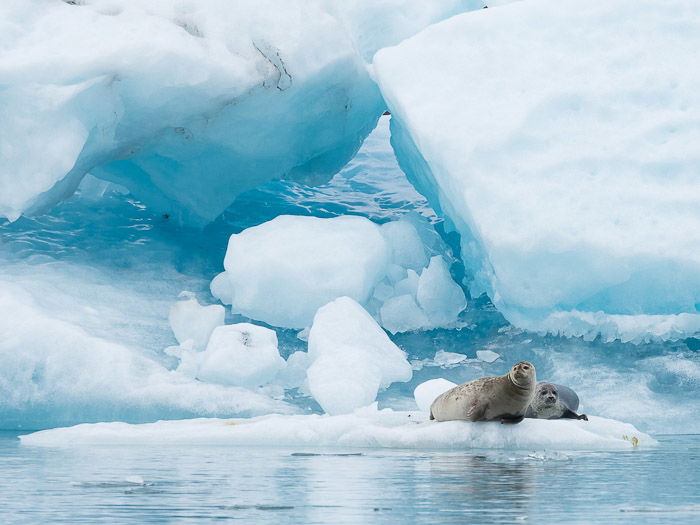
[554, 402]
[503, 398]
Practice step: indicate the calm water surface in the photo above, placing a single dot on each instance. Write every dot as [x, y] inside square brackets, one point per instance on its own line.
[145, 484]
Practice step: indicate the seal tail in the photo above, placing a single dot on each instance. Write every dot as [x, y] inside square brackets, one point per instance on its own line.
[431, 415]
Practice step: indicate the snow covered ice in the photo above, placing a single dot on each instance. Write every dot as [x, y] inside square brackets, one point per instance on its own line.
[562, 146]
[366, 428]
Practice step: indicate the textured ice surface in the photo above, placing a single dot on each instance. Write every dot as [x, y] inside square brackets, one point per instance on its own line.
[352, 357]
[367, 428]
[200, 102]
[563, 147]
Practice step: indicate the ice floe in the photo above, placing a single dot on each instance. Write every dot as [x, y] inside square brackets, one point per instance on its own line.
[365, 428]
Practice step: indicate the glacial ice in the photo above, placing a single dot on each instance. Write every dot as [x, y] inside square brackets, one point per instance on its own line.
[351, 358]
[366, 428]
[199, 103]
[562, 146]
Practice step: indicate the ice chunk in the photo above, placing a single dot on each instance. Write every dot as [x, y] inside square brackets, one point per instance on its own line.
[344, 381]
[190, 321]
[487, 356]
[406, 246]
[438, 295]
[352, 357]
[283, 270]
[566, 159]
[197, 105]
[402, 314]
[427, 392]
[293, 375]
[221, 288]
[364, 428]
[240, 354]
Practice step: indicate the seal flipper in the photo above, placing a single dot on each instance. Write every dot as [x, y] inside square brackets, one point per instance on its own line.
[570, 414]
[431, 415]
[511, 420]
[477, 412]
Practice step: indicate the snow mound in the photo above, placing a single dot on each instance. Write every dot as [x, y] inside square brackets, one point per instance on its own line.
[202, 101]
[351, 358]
[427, 392]
[365, 428]
[563, 147]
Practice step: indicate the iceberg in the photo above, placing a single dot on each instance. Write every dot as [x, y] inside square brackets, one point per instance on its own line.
[190, 321]
[201, 102]
[562, 146]
[364, 428]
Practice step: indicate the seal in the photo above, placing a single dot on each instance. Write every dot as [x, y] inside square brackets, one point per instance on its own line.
[503, 398]
[554, 402]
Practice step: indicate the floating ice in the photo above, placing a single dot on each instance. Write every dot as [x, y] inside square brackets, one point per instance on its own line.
[352, 357]
[367, 428]
[563, 147]
[427, 392]
[201, 102]
[190, 321]
[240, 354]
[487, 356]
[283, 270]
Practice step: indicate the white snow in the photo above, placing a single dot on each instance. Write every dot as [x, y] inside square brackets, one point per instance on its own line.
[188, 104]
[365, 428]
[562, 144]
[428, 391]
[190, 321]
[352, 357]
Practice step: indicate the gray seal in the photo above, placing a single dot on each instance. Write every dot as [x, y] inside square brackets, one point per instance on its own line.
[554, 402]
[503, 398]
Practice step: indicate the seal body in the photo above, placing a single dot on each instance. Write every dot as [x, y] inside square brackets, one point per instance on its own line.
[554, 402]
[503, 398]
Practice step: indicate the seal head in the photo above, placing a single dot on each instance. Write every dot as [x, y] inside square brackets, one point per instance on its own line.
[554, 402]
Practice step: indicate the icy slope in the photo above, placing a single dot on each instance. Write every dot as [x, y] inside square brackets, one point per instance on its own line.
[367, 428]
[186, 103]
[560, 137]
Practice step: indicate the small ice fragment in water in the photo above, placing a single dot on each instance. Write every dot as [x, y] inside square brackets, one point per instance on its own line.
[487, 356]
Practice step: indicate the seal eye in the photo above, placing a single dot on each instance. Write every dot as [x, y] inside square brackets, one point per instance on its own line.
[525, 367]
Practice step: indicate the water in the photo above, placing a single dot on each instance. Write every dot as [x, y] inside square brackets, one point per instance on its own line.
[264, 485]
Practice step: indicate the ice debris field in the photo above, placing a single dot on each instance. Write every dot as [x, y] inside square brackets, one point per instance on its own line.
[212, 218]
